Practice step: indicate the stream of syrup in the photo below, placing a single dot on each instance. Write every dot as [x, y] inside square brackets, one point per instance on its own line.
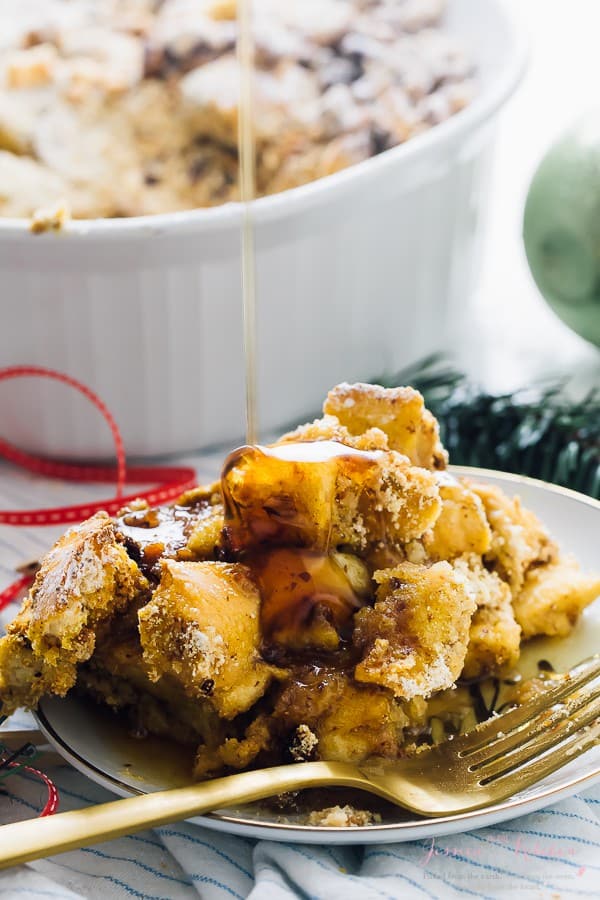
[306, 594]
[247, 181]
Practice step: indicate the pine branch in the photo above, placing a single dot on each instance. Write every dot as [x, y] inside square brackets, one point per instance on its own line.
[536, 431]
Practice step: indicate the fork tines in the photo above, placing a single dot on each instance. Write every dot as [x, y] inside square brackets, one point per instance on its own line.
[540, 734]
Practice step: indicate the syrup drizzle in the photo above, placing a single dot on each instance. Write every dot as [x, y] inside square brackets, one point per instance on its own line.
[285, 495]
[279, 517]
[247, 179]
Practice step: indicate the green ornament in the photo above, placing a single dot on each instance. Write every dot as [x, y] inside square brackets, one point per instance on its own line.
[561, 227]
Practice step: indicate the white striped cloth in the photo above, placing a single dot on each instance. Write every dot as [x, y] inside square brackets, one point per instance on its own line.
[550, 854]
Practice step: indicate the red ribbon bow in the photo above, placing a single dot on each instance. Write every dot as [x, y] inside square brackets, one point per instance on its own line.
[171, 481]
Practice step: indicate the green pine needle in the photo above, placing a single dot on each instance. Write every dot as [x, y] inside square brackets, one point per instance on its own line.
[536, 431]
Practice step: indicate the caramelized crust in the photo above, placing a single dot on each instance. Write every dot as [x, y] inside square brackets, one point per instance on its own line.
[83, 581]
[414, 639]
[202, 628]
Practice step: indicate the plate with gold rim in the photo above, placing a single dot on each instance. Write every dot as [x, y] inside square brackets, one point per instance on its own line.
[96, 743]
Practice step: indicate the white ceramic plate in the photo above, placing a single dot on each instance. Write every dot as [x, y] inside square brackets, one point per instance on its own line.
[94, 742]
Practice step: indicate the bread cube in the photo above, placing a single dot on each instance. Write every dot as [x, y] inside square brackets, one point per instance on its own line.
[83, 581]
[462, 526]
[414, 640]
[202, 628]
[323, 494]
[494, 635]
[519, 539]
[553, 597]
[399, 412]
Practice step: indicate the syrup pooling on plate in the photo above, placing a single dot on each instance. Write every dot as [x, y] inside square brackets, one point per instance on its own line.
[159, 533]
[280, 512]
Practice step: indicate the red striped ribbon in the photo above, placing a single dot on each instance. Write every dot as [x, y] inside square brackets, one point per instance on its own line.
[52, 801]
[170, 481]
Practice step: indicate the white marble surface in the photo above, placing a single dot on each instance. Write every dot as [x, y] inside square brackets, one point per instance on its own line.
[514, 336]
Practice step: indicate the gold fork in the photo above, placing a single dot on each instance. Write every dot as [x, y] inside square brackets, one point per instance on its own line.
[497, 759]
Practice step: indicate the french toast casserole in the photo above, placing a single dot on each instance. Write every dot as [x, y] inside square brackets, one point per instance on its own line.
[130, 107]
[311, 605]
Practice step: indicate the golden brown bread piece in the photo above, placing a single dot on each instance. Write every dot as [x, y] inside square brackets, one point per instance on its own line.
[318, 715]
[549, 591]
[399, 412]
[206, 503]
[370, 417]
[414, 639]
[117, 675]
[85, 579]
[321, 493]
[494, 635]
[308, 598]
[397, 503]
[234, 752]
[462, 526]
[205, 536]
[25, 677]
[553, 597]
[519, 540]
[202, 627]
[351, 721]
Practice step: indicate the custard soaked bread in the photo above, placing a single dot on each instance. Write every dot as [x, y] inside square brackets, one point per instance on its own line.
[316, 603]
[131, 107]
[202, 628]
[84, 581]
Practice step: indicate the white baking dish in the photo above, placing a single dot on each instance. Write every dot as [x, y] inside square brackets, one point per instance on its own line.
[358, 274]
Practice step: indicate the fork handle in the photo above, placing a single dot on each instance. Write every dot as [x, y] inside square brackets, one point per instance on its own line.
[38, 838]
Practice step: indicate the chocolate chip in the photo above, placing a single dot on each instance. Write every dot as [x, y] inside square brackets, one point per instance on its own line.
[207, 687]
[197, 169]
[380, 140]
